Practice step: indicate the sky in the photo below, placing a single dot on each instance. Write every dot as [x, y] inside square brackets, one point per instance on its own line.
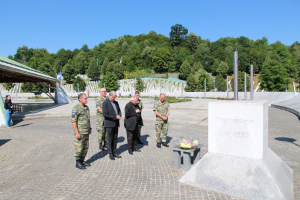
[70, 24]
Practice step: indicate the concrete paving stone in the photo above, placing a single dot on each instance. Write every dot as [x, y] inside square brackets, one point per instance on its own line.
[37, 159]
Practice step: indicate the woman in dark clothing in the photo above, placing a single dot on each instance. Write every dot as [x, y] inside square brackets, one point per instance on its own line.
[8, 106]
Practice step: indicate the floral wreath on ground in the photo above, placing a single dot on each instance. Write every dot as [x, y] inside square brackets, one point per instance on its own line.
[187, 142]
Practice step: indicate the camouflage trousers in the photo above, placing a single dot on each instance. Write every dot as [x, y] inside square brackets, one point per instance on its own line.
[163, 128]
[81, 146]
[139, 131]
[101, 132]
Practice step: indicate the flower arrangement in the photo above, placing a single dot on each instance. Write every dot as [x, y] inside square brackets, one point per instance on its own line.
[187, 143]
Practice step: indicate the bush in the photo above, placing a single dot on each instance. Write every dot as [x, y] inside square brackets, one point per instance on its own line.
[81, 84]
[111, 82]
[139, 85]
[221, 83]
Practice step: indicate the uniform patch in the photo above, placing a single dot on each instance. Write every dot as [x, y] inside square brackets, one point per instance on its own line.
[73, 114]
[96, 104]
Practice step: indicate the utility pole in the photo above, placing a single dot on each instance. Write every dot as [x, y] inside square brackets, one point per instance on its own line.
[245, 84]
[236, 71]
[205, 88]
[251, 80]
[227, 88]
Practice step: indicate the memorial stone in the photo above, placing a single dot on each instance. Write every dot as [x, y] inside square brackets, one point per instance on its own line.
[239, 161]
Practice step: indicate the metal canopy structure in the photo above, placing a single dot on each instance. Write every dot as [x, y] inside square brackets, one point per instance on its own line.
[14, 72]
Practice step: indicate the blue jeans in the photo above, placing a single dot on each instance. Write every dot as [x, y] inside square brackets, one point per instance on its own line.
[8, 117]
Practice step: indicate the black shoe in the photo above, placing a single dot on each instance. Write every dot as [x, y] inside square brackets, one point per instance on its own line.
[158, 145]
[101, 147]
[111, 157]
[165, 144]
[85, 164]
[79, 164]
[130, 152]
[117, 156]
[105, 144]
[140, 142]
[137, 150]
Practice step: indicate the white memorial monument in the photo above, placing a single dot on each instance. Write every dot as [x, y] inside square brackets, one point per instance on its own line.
[239, 161]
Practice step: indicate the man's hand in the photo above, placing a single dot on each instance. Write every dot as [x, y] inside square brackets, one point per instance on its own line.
[137, 111]
[78, 136]
[164, 118]
[11, 107]
[118, 117]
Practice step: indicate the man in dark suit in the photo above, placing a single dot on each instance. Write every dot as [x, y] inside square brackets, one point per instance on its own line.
[132, 120]
[112, 115]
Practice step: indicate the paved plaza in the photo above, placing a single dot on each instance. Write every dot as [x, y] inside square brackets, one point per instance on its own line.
[36, 157]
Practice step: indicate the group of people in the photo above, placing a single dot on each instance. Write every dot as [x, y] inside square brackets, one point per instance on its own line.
[108, 122]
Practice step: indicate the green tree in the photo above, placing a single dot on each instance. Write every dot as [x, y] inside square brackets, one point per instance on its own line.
[80, 83]
[8, 86]
[117, 68]
[191, 84]
[185, 70]
[178, 34]
[196, 67]
[160, 59]
[202, 74]
[47, 69]
[220, 54]
[110, 80]
[223, 69]
[68, 72]
[273, 76]
[57, 67]
[147, 52]
[85, 48]
[181, 56]
[152, 33]
[27, 87]
[215, 67]
[241, 82]
[81, 63]
[104, 66]
[221, 83]
[93, 70]
[139, 85]
[192, 42]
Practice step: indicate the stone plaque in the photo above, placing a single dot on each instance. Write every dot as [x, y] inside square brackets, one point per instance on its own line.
[238, 128]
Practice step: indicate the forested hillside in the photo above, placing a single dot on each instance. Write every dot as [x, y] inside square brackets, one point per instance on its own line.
[194, 58]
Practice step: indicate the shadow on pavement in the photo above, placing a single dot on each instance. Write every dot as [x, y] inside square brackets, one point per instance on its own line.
[144, 139]
[97, 156]
[169, 139]
[21, 125]
[2, 142]
[121, 139]
[285, 139]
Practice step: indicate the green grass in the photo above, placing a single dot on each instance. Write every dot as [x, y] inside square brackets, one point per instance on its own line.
[218, 98]
[174, 99]
[38, 97]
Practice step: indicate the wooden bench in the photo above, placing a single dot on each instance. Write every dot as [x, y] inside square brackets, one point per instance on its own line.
[186, 157]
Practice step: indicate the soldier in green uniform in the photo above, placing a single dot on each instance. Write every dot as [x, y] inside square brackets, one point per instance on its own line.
[162, 111]
[100, 120]
[140, 104]
[82, 127]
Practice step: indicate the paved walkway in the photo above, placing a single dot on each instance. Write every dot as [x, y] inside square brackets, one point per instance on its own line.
[291, 105]
[195, 111]
[36, 160]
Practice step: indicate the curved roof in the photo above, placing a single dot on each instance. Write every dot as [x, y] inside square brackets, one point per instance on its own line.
[12, 71]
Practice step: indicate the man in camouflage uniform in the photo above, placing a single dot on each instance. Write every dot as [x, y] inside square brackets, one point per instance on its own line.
[82, 127]
[100, 119]
[140, 104]
[162, 111]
